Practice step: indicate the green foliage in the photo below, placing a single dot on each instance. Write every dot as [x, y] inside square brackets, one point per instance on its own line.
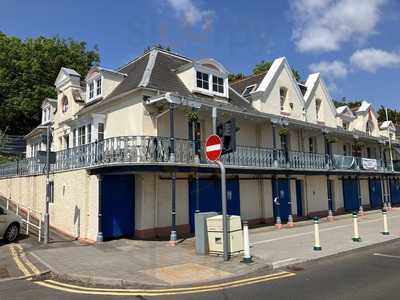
[28, 69]
[350, 104]
[158, 46]
[264, 66]
[235, 77]
[393, 115]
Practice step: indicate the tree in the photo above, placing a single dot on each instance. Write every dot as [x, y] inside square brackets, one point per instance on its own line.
[235, 77]
[350, 104]
[158, 46]
[393, 115]
[264, 66]
[28, 69]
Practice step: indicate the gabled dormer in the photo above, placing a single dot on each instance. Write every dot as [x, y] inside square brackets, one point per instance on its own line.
[366, 120]
[100, 82]
[278, 93]
[319, 106]
[49, 107]
[387, 129]
[344, 118]
[69, 95]
[206, 77]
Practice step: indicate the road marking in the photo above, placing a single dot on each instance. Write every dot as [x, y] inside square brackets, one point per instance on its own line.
[161, 292]
[387, 255]
[27, 262]
[17, 261]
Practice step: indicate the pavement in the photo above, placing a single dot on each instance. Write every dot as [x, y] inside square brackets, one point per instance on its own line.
[134, 263]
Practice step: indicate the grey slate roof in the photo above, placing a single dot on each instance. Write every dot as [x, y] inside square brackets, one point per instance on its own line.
[157, 70]
[134, 72]
[240, 85]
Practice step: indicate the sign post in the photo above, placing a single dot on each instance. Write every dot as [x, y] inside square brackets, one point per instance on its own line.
[213, 153]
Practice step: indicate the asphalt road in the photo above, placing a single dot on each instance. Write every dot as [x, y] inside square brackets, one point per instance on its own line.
[359, 275]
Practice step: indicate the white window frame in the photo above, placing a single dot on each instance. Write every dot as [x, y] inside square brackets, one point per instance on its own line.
[211, 74]
[318, 108]
[94, 81]
[249, 89]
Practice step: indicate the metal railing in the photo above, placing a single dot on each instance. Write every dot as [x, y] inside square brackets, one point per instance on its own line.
[152, 149]
[31, 218]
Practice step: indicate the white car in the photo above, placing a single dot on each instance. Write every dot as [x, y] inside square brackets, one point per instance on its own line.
[10, 225]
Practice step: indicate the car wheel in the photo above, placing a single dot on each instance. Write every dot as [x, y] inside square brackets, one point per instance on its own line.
[12, 233]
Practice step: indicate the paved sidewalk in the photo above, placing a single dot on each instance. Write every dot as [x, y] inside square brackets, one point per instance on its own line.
[131, 262]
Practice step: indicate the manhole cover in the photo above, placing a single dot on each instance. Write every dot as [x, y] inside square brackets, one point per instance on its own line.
[4, 272]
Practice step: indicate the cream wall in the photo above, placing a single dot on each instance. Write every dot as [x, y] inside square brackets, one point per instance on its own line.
[74, 210]
[327, 110]
[250, 199]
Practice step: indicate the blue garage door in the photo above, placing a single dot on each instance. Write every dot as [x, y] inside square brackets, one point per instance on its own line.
[118, 205]
[284, 198]
[375, 192]
[210, 197]
[395, 191]
[350, 195]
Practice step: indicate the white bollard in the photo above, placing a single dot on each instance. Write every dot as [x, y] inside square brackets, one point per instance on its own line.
[40, 228]
[317, 245]
[27, 221]
[356, 236]
[246, 241]
[389, 206]
[385, 223]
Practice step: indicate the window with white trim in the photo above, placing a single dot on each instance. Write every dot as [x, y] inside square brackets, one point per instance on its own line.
[64, 104]
[248, 90]
[282, 96]
[318, 108]
[218, 84]
[202, 80]
[91, 90]
[81, 135]
[98, 86]
[100, 132]
[89, 133]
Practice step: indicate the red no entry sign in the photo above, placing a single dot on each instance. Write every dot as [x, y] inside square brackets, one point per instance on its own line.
[213, 147]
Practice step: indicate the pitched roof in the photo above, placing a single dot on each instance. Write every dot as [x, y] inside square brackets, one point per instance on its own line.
[240, 85]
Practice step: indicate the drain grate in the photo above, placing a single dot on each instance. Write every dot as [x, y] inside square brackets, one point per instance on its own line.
[4, 272]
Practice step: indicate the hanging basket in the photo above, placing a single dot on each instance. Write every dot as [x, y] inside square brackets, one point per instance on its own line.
[283, 131]
[192, 116]
[331, 139]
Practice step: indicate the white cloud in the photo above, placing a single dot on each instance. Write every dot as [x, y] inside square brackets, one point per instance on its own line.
[372, 59]
[324, 25]
[331, 70]
[193, 15]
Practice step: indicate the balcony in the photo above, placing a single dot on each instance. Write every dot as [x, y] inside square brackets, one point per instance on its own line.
[157, 150]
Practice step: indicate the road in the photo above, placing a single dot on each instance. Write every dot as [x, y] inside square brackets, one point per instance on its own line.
[369, 273]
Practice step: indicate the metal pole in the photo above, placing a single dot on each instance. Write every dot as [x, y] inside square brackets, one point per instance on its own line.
[278, 223]
[224, 210]
[214, 119]
[100, 213]
[361, 209]
[173, 236]
[390, 142]
[330, 200]
[197, 192]
[274, 145]
[46, 214]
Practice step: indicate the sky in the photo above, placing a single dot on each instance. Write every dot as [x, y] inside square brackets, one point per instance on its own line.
[355, 44]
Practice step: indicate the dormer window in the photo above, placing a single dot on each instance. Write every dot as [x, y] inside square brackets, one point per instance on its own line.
[98, 87]
[202, 80]
[248, 90]
[64, 104]
[218, 84]
[318, 108]
[345, 126]
[369, 128]
[282, 95]
[91, 90]
[95, 88]
[46, 115]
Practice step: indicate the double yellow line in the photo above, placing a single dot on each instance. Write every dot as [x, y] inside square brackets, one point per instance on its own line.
[22, 262]
[29, 270]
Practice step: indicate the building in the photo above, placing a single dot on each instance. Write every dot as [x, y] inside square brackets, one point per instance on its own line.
[130, 160]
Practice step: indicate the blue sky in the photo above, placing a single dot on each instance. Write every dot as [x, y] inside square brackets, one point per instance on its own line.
[355, 44]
